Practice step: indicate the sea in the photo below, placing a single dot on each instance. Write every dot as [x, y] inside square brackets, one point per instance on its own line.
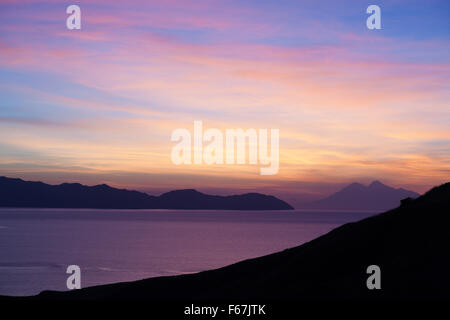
[38, 245]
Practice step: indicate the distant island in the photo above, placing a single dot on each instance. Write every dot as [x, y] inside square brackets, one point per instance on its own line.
[410, 244]
[376, 196]
[28, 194]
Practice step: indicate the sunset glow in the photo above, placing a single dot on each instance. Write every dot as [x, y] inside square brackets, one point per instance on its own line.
[98, 105]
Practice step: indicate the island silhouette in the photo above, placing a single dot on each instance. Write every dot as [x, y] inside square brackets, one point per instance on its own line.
[356, 196]
[28, 194]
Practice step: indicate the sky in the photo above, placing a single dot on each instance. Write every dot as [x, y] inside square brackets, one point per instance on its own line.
[99, 104]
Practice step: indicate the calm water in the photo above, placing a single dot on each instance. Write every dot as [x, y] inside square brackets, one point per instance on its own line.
[37, 245]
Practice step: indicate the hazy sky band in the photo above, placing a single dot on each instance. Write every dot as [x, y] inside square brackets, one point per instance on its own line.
[351, 103]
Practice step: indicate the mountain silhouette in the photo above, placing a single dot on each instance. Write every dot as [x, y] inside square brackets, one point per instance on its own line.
[184, 199]
[410, 244]
[356, 196]
[19, 193]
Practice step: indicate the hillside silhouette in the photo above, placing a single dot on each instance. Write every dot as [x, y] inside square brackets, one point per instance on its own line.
[376, 196]
[410, 244]
[27, 194]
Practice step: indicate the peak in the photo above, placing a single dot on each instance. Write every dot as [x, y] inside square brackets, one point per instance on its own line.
[354, 185]
[102, 186]
[10, 179]
[71, 184]
[183, 191]
[186, 190]
[376, 183]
